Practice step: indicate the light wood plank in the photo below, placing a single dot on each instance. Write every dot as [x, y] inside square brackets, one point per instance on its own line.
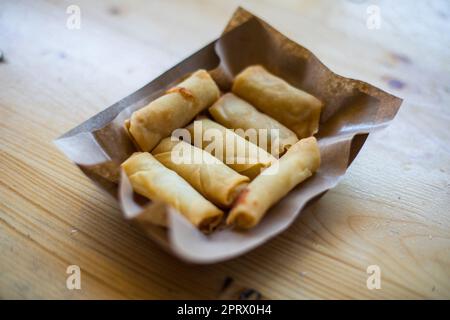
[391, 209]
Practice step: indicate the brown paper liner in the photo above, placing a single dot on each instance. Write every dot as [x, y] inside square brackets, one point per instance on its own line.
[353, 109]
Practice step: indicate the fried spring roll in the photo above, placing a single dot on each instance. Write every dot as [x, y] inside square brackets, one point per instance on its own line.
[266, 132]
[298, 164]
[296, 109]
[175, 109]
[239, 154]
[207, 174]
[156, 182]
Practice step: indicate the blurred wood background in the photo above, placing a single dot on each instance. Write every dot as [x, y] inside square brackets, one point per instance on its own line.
[392, 209]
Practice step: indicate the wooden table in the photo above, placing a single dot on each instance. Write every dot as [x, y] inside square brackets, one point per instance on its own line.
[392, 209]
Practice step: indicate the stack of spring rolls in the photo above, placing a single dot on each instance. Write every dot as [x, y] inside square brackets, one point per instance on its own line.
[253, 146]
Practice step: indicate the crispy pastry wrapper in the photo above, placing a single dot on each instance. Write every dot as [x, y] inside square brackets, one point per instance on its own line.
[352, 109]
[208, 175]
[175, 109]
[298, 164]
[233, 112]
[239, 154]
[295, 108]
[153, 180]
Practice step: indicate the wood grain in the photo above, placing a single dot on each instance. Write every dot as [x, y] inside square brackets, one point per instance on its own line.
[391, 209]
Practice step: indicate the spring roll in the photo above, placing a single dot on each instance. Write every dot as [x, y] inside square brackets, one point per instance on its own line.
[175, 109]
[239, 154]
[259, 128]
[298, 164]
[207, 174]
[156, 182]
[296, 109]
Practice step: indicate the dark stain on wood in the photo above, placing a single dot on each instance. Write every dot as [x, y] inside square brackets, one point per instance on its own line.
[396, 84]
[226, 283]
[114, 10]
[250, 294]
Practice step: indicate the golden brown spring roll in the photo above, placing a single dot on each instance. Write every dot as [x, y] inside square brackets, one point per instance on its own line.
[233, 112]
[175, 109]
[156, 182]
[207, 174]
[239, 154]
[298, 164]
[296, 109]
